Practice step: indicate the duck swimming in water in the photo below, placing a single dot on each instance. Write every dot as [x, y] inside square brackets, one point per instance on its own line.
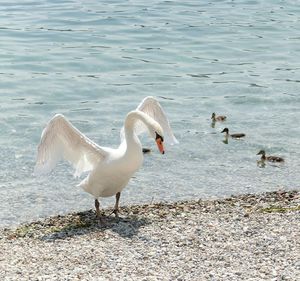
[215, 118]
[219, 118]
[235, 136]
[269, 158]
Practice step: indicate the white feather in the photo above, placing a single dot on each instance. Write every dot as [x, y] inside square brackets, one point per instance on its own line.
[152, 108]
[109, 169]
[61, 140]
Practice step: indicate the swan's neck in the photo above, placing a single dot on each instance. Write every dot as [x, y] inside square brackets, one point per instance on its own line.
[132, 117]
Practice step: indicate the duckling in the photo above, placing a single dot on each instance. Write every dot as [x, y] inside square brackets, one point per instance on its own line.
[235, 136]
[219, 118]
[269, 158]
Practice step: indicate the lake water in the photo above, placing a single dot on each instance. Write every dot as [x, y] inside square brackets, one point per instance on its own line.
[94, 61]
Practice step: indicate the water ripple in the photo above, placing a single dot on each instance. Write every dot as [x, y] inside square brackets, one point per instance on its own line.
[95, 61]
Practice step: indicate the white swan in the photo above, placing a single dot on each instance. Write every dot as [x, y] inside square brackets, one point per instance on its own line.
[109, 169]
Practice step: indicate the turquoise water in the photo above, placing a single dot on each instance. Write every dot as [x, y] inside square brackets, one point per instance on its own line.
[94, 61]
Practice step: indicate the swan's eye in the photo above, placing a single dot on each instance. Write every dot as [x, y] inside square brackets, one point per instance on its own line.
[157, 136]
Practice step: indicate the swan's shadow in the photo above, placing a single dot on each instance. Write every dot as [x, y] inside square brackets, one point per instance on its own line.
[86, 222]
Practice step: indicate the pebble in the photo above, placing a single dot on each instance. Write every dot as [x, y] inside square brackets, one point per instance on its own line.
[191, 240]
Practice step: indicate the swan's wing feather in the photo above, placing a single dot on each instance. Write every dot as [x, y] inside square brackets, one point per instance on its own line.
[151, 107]
[61, 140]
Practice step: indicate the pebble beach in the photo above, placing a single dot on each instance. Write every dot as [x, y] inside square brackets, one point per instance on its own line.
[247, 237]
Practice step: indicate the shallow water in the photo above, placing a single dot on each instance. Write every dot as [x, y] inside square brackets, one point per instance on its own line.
[94, 61]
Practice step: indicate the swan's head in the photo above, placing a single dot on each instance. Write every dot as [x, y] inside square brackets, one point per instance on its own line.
[213, 116]
[160, 142]
[157, 133]
[154, 128]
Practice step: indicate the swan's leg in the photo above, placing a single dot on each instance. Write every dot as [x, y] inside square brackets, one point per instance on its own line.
[116, 208]
[97, 206]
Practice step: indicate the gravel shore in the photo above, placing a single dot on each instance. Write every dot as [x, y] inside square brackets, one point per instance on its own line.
[249, 237]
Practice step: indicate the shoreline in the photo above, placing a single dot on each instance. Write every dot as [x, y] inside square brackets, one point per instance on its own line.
[244, 237]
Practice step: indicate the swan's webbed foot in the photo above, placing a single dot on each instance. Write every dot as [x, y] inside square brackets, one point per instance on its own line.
[116, 212]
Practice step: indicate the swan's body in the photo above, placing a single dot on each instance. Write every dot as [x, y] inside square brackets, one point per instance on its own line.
[111, 175]
[109, 169]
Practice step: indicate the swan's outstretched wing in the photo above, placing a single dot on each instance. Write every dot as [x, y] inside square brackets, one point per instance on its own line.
[61, 140]
[151, 107]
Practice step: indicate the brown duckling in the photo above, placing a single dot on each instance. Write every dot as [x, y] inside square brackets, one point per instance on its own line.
[235, 136]
[219, 118]
[269, 158]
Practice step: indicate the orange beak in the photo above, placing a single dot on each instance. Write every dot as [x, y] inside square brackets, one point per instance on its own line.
[160, 145]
